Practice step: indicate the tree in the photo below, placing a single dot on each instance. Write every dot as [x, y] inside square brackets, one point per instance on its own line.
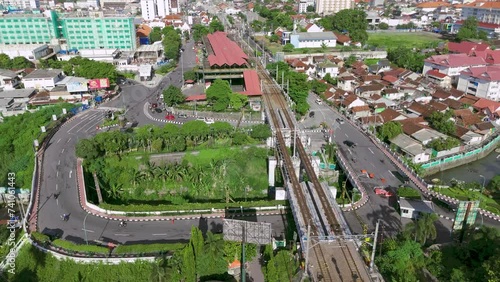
[310, 9]
[198, 31]
[155, 35]
[423, 229]
[350, 60]
[324, 47]
[237, 101]
[274, 38]
[173, 95]
[21, 63]
[5, 62]
[318, 87]
[383, 26]
[171, 42]
[352, 21]
[87, 149]
[442, 122]
[468, 30]
[288, 47]
[218, 95]
[215, 25]
[389, 130]
[402, 263]
[190, 75]
[494, 184]
[406, 58]
[328, 78]
[260, 132]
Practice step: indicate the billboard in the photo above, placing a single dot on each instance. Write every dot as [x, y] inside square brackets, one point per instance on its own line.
[98, 83]
[467, 211]
[77, 86]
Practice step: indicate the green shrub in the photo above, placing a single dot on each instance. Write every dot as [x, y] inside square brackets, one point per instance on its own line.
[409, 193]
[40, 238]
[147, 248]
[72, 247]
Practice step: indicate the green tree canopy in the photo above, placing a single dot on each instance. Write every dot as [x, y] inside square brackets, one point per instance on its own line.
[403, 262]
[469, 30]
[173, 95]
[215, 25]
[288, 47]
[406, 58]
[261, 132]
[389, 130]
[218, 94]
[155, 35]
[171, 42]
[352, 21]
[190, 75]
[198, 31]
[442, 122]
[383, 26]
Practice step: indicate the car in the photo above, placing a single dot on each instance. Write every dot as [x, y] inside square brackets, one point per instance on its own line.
[349, 143]
[319, 101]
[341, 121]
[383, 192]
[158, 110]
[182, 116]
[311, 114]
[154, 105]
[206, 120]
[170, 117]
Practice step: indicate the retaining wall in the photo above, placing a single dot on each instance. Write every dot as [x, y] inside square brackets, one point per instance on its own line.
[345, 54]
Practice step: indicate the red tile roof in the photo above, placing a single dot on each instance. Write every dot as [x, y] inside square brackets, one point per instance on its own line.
[489, 73]
[390, 78]
[199, 97]
[436, 73]
[456, 60]
[483, 25]
[482, 104]
[226, 51]
[252, 83]
[466, 47]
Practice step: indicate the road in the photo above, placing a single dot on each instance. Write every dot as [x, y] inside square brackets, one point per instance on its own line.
[59, 195]
[366, 156]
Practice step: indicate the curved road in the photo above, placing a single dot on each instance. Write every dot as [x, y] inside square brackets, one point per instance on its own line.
[58, 189]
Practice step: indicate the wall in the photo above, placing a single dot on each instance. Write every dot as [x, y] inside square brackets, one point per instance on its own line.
[460, 159]
[363, 54]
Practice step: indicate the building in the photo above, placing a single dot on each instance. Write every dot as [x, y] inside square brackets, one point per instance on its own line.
[440, 79]
[145, 72]
[43, 79]
[485, 12]
[31, 52]
[22, 4]
[482, 82]
[149, 10]
[303, 4]
[95, 30]
[411, 149]
[313, 39]
[152, 9]
[27, 29]
[328, 7]
[8, 80]
[452, 64]
[327, 67]
[414, 208]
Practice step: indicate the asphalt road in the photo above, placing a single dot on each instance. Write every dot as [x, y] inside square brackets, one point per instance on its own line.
[59, 195]
[366, 156]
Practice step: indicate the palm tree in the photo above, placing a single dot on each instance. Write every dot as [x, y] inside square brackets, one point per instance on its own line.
[213, 245]
[422, 229]
[114, 191]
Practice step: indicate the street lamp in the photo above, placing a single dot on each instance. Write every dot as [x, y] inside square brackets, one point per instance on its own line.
[484, 181]
[85, 229]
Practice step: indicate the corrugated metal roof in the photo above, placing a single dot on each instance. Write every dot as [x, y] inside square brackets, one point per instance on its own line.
[252, 83]
[226, 51]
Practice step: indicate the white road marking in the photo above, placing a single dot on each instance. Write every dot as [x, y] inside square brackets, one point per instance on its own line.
[57, 174]
[372, 164]
[391, 173]
[125, 235]
[346, 135]
[57, 202]
[58, 140]
[349, 151]
[59, 162]
[162, 234]
[62, 152]
[57, 186]
[68, 140]
[91, 231]
[371, 151]
[70, 172]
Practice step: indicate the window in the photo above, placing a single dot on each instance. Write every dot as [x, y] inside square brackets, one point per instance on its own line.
[404, 211]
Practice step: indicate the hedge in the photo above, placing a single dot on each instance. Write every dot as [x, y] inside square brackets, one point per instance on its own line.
[69, 246]
[147, 248]
[40, 238]
[190, 206]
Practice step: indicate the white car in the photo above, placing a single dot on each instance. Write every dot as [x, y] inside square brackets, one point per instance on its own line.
[206, 120]
[319, 101]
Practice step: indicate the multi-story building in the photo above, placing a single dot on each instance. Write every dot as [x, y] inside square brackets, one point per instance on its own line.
[328, 7]
[98, 31]
[303, 4]
[483, 82]
[485, 12]
[158, 8]
[21, 4]
[452, 64]
[27, 29]
[81, 30]
[148, 9]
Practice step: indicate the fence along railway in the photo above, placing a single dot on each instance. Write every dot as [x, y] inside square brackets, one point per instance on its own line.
[329, 268]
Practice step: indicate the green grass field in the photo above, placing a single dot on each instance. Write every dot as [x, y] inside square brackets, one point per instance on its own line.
[404, 39]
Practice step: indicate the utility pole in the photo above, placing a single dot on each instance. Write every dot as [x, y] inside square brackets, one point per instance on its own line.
[294, 142]
[308, 237]
[372, 261]
[243, 271]
[276, 72]
[283, 80]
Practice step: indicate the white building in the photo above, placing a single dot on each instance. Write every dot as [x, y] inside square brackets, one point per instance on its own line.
[43, 79]
[8, 80]
[149, 10]
[23, 4]
[327, 67]
[313, 28]
[328, 7]
[452, 64]
[313, 39]
[31, 52]
[486, 12]
[483, 82]
[303, 4]
[164, 8]
[411, 148]
[414, 208]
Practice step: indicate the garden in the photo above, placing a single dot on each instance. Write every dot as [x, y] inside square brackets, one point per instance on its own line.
[220, 165]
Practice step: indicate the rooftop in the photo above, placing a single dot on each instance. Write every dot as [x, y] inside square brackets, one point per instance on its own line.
[325, 35]
[43, 73]
[7, 73]
[226, 51]
[17, 93]
[418, 205]
[456, 60]
[408, 144]
[252, 83]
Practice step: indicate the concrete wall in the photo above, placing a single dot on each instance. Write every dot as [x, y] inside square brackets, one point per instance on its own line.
[362, 54]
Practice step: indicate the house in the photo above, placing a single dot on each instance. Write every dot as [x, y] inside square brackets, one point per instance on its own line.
[392, 94]
[466, 47]
[415, 208]
[18, 95]
[422, 134]
[351, 101]
[297, 65]
[342, 39]
[43, 78]
[361, 111]
[467, 136]
[368, 90]
[8, 80]
[484, 128]
[437, 106]
[381, 66]
[327, 67]
[146, 72]
[313, 39]
[489, 108]
[452, 104]
[440, 79]
[313, 28]
[411, 148]
[482, 82]
[346, 83]
[419, 109]
[391, 115]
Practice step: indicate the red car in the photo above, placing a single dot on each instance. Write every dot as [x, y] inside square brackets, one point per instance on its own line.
[383, 192]
[170, 117]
